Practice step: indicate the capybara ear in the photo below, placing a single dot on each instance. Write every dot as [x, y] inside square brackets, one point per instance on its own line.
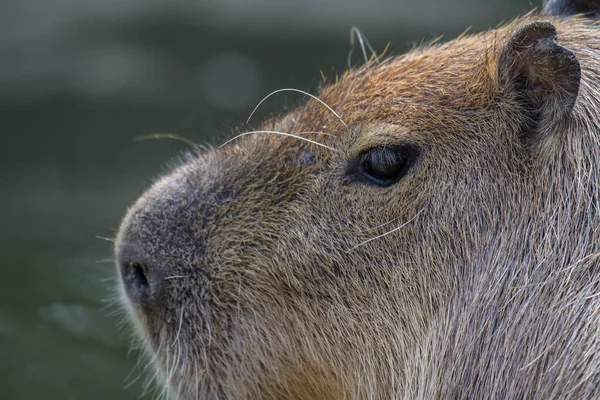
[571, 7]
[542, 74]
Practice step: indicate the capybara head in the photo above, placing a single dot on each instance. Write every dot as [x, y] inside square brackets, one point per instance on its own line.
[426, 227]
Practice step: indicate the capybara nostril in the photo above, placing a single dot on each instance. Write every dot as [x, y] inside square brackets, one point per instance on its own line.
[136, 275]
[141, 282]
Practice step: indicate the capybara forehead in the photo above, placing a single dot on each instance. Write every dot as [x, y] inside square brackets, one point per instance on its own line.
[425, 84]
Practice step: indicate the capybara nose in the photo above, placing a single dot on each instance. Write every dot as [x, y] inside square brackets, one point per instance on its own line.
[141, 279]
[157, 237]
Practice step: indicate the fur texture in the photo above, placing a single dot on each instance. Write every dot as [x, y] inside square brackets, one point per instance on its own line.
[275, 273]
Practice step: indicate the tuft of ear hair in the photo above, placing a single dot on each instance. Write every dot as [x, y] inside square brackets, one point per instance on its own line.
[543, 75]
[570, 7]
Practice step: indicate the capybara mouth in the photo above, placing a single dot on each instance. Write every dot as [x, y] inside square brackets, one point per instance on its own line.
[424, 228]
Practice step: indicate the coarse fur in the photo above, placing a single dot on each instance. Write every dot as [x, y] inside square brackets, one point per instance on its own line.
[275, 270]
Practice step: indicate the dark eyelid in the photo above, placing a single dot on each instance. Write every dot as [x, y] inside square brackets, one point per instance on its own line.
[356, 173]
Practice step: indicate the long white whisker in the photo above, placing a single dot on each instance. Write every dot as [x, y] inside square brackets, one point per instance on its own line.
[171, 136]
[282, 134]
[179, 329]
[298, 91]
[379, 226]
[355, 32]
[388, 232]
[167, 384]
[171, 371]
[182, 368]
[112, 240]
[151, 365]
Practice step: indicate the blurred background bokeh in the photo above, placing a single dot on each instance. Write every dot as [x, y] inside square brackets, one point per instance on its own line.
[80, 80]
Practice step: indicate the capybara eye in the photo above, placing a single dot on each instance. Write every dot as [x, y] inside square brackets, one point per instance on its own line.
[386, 165]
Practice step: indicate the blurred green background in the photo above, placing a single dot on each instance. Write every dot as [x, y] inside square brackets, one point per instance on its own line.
[79, 81]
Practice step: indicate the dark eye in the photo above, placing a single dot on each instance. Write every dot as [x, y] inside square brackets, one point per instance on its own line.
[386, 165]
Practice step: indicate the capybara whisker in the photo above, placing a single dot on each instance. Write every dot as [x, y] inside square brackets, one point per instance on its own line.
[295, 136]
[305, 94]
[179, 329]
[388, 232]
[379, 226]
[112, 240]
[362, 40]
[170, 136]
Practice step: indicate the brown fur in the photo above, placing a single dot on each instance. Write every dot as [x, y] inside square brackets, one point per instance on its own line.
[273, 288]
